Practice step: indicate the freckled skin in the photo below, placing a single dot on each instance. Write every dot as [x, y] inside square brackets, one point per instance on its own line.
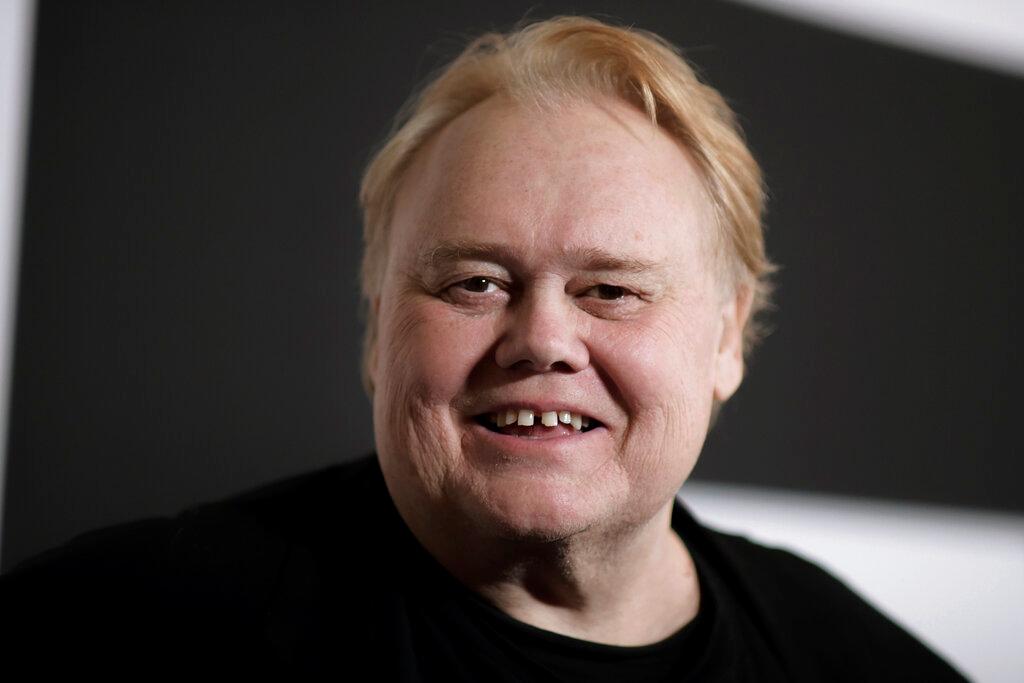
[543, 184]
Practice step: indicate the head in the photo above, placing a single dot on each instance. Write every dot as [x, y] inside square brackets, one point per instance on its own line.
[565, 220]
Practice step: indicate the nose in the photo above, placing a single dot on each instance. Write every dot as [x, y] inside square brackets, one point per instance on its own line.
[543, 334]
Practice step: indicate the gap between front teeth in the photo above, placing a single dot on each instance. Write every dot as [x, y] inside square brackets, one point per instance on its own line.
[548, 418]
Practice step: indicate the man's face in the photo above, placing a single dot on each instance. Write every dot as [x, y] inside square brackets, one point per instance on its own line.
[549, 262]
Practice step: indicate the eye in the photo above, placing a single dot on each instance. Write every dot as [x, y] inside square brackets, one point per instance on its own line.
[607, 292]
[477, 285]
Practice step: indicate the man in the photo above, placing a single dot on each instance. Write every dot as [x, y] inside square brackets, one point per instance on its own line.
[552, 257]
[563, 259]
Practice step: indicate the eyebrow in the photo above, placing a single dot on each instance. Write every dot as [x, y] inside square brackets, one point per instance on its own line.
[592, 259]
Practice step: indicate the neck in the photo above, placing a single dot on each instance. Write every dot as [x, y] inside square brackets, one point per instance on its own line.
[632, 587]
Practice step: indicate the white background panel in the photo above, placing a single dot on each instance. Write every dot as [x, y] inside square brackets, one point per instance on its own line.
[954, 578]
[988, 33]
[15, 59]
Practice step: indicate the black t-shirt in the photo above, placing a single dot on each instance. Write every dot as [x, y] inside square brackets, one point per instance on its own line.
[457, 635]
[454, 634]
[510, 650]
[319, 575]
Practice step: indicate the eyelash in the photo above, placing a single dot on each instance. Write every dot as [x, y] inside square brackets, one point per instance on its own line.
[617, 292]
[477, 280]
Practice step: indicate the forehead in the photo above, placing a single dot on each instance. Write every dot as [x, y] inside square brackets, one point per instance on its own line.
[566, 176]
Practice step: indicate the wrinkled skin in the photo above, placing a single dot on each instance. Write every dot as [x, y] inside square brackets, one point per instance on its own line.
[563, 258]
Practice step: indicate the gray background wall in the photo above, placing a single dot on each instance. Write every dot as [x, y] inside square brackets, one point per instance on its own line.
[187, 318]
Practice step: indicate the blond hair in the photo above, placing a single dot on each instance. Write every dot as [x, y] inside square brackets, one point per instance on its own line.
[579, 57]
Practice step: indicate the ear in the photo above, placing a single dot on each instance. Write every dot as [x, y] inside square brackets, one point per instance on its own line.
[729, 358]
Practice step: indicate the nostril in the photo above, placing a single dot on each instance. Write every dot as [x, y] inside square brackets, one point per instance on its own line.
[538, 341]
[527, 365]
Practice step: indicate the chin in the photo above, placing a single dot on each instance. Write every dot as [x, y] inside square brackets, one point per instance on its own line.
[532, 510]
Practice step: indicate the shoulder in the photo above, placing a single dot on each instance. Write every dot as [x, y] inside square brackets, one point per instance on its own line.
[225, 576]
[818, 626]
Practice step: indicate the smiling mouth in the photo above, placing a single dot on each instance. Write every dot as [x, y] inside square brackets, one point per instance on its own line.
[537, 424]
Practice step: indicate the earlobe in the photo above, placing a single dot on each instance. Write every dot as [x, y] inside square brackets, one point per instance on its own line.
[729, 359]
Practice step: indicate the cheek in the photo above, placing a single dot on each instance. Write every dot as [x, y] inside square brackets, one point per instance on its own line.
[418, 376]
[426, 354]
[422, 351]
[661, 370]
[666, 361]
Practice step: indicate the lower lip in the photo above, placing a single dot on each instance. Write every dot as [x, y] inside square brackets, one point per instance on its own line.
[542, 445]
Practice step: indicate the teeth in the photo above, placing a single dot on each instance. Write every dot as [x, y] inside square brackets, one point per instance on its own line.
[548, 418]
